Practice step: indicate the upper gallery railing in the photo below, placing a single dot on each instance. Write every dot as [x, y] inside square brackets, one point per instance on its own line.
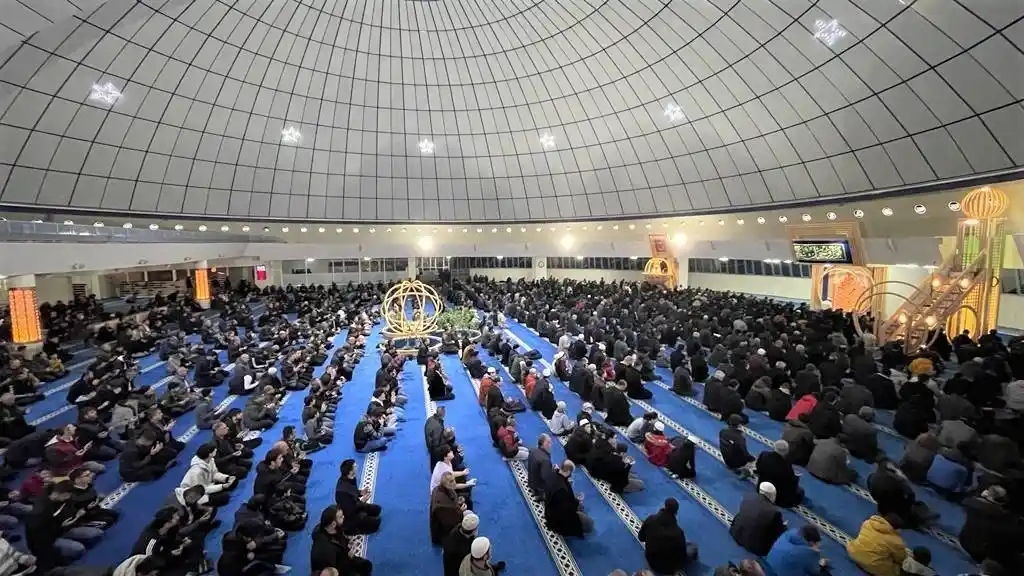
[20, 231]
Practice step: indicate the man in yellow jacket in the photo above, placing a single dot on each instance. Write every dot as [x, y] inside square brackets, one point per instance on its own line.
[878, 549]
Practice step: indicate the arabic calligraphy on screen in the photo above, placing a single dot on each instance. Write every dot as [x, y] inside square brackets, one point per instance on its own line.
[822, 251]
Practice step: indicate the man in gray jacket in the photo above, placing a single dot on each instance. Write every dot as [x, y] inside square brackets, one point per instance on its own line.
[830, 462]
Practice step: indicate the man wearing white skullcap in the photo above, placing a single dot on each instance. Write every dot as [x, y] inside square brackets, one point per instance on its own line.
[457, 545]
[478, 561]
[759, 522]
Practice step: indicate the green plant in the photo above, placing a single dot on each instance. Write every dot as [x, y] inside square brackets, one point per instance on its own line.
[461, 318]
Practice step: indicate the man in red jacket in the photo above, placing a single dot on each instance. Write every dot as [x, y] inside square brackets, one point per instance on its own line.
[64, 455]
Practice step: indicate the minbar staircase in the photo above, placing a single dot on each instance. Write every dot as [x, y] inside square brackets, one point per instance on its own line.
[930, 306]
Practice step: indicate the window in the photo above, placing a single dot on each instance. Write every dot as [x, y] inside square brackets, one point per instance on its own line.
[756, 268]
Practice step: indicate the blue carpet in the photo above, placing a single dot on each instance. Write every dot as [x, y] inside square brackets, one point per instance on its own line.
[712, 476]
[498, 500]
[701, 525]
[403, 488]
[611, 545]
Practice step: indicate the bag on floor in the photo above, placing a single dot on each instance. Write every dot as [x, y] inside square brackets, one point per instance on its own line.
[513, 405]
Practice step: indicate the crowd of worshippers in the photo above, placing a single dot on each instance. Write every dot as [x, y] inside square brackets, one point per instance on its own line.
[812, 370]
[117, 420]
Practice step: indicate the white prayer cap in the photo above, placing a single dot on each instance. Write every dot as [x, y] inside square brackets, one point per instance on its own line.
[470, 522]
[659, 426]
[767, 489]
[480, 547]
[761, 352]
[272, 370]
[547, 373]
[491, 370]
[584, 422]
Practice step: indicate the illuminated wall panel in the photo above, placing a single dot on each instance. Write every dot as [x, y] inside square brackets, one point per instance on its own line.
[202, 284]
[24, 315]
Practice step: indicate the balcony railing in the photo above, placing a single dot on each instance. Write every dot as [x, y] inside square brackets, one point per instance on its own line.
[20, 231]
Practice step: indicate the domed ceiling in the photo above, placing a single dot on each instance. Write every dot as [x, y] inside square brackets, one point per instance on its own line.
[499, 110]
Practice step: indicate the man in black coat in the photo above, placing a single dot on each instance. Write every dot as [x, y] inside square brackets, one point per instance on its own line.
[458, 543]
[538, 466]
[773, 467]
[563, 510]
[991, 530]
[330, 547]
[361, 517]
[617, 404]
[666, 549]
[733, 444]
[759, 522]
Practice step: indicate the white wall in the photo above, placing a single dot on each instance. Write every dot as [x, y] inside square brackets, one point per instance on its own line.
[912, 276]
[773, 286]
[53, 288]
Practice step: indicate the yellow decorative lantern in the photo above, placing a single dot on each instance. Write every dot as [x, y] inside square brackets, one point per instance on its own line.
[422, 322]
[985, 203]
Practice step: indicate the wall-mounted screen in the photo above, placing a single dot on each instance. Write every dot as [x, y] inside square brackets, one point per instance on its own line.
[261, 273]
[822, 251]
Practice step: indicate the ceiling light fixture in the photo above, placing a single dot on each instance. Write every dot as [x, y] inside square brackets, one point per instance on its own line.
[600, 227]
[723, 258]
[154, 226]
[648, 226]
[291, 135]
[538, 229]
[339, 230]
[548, 141]
[953, 205]
[721, 222]
[127, 225]
[805, 217]
[355, 230]
[285, 229]
[321, 229]
[266, 228]
[245, 228]
[920, 209]
[426, 146]
[107, 94]
[508, 230]
[887, 211]
[783, 219]
[69, 222]
[858, 213]
[828, 31]
[494, 230]
[202, 228]
[98, 224]
[499, 257]
[522, 228]
[679, 239]
[310, 259]
[831, 215]
[303, 229]
[740, 221]
[632, 226]
[971, 222]
[674, 113]
[761, 220]
[787, 261]
[374, 230]
[225, 228]
[615, 227]
[179, 227]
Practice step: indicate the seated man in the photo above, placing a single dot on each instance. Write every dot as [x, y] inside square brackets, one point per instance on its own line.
[55, 532]
[361, 517]
[830, 462]
[665, 545]
[733, 444]
[437, 384]
[178, 400]
[145, 459]
[759, 522]
[773, 467]
[859, 434]
[261, 410]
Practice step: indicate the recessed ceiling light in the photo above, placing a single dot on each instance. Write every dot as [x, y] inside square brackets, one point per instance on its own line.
[723, 258]
[721, 222]
[887, 211]
[858, 213]
[291, 135]
[452, 230]
[805, 217]
[584, 228]
[615, 227]
[579, 257]
[310, 259]
[266, 228]
[69, 222]
[499, 257]
[953, 206]
[285, 229]
[179, 227]
[403, 229]
[521, 229]
[761, 220]
[426, 242]
[831, 215]
[828, 31]
[366, 258]
[464, 230]
[127, 225]
[494, 230]
[303, 229]
[740, 221]
[202, 228]
[783, 219]
[787, 261]
[245, 228]
[552, 228]
[374, 230]
[426, 146]
[321, 229]
[100, 224]
[107, 93]
[355, 230]
[674, 113]
[154, 226]
[538, 228]
[632, 226]
[700, 222]
[225, 228]
[339, 230]
[920, 208]
[648, 226]
[479, 230]
[600, 227]
[547, 141]
[508, 230]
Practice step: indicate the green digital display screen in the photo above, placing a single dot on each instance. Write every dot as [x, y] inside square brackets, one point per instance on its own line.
[822, 251]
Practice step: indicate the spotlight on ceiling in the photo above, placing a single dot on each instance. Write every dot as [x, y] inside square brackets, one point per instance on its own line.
[426, 146]
[127, 225]
[303, 229]
[805, 217]
[858, 213]
[761, 220]
[920, 209]
[674, 113]
[225, 228]
[179, 227]
[310, 259]
[740, 221]
[339, 230]
[245, 228]
[723, 258]
[953, 206]
[69, 222]
[202, 228]
[831, 215]
[321, 229]
[154, 226]
[266, 228]
[285, 229]
[356, 231]
[887, 211]
[547, 141]
[98, 224]
[291, 135]
[783, 219]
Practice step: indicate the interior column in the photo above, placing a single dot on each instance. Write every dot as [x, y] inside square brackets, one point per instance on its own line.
[411, 268]
[540, 267]
[24, 308]
[201, 284]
